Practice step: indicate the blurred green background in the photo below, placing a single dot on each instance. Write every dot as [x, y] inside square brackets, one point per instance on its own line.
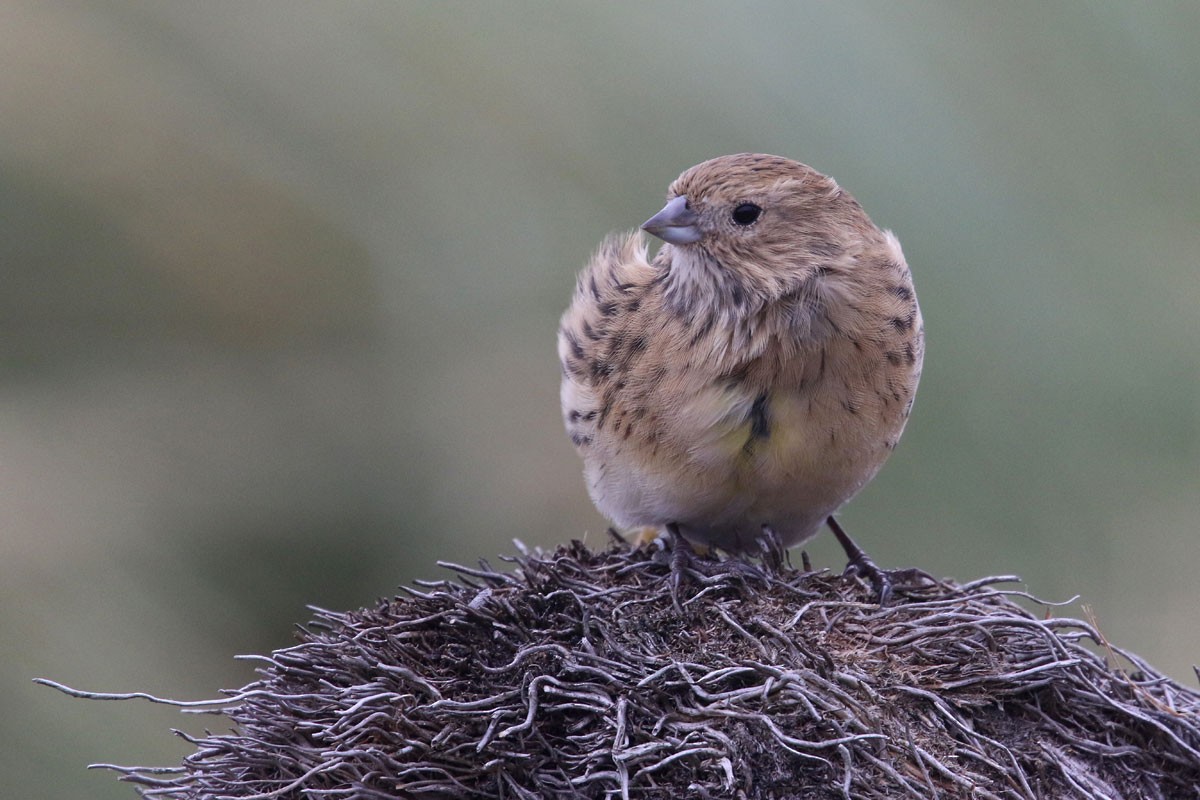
[281, 283]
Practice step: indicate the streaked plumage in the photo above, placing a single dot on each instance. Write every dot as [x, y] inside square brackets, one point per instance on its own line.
[757, 372]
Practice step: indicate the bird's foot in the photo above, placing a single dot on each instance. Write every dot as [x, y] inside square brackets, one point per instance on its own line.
[644, 536]
[883, 581]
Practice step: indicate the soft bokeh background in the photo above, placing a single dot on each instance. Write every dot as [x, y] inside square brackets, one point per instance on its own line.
[281, 279]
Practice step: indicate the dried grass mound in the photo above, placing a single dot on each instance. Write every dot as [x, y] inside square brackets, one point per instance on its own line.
[577, 676]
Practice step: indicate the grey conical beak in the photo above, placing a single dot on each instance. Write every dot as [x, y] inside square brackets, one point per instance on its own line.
[676, 223]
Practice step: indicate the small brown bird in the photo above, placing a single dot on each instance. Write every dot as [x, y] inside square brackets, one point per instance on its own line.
[757, 373]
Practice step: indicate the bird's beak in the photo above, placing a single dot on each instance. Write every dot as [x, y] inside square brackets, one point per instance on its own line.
[676, 223]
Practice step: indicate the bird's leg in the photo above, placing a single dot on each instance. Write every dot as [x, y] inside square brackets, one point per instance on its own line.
[859, 563]
[772, 551]
[681, 556]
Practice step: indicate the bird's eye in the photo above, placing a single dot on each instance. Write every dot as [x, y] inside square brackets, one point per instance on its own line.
[746, 214]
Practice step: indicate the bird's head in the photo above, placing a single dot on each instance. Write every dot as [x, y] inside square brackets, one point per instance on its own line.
[757, 226]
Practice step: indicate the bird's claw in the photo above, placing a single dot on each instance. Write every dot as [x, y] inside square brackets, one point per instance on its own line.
[883, 581]
[880, 579]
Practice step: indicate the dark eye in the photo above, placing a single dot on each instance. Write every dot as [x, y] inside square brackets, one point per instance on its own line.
[746, 214]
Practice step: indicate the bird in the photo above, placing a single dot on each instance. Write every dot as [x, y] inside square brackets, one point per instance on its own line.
[755, 374]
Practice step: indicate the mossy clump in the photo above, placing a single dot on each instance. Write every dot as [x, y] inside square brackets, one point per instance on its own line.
[581, 674]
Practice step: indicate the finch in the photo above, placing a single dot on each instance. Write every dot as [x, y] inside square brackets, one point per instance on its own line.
[754, 375]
